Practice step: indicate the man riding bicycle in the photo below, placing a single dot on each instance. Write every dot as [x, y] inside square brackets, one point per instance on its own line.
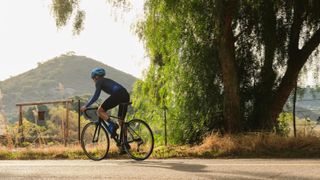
[118, 94]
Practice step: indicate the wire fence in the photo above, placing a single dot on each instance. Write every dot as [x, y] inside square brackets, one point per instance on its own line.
[307, 116]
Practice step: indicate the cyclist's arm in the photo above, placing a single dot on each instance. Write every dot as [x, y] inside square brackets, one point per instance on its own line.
[96, 95]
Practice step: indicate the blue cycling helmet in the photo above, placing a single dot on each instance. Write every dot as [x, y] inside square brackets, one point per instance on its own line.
[98, 72]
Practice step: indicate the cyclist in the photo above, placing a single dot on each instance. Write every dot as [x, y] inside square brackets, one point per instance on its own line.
[118, 94]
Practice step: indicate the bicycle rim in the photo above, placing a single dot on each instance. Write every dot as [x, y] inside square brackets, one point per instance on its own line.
[139, 139]
[95, 141]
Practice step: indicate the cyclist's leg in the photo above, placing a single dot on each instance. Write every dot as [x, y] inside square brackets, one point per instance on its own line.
[109, 103]
[122, 110]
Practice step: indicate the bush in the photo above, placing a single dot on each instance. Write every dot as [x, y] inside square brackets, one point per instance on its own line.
[282, 128]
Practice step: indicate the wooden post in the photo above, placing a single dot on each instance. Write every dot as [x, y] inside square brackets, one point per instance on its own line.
[79, 128]
[67, 124]
[63, 131]
[21, 124]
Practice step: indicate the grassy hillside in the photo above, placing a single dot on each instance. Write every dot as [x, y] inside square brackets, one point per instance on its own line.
[58, 78]
[308, 103]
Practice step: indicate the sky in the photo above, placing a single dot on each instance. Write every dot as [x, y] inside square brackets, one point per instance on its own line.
[28, 35]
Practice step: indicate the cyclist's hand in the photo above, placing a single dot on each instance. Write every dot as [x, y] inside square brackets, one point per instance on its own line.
[83, 108]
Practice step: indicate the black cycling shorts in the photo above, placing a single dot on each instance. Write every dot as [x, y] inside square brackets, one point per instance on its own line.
[115, 99]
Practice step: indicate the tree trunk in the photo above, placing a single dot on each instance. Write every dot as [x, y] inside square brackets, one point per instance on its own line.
[268, 102]
[297, 59]
[263, 90]
[229, 70]
[287, 84]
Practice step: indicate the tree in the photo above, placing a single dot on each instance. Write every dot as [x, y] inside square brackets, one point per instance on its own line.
[64, 9]
[287, 33]
[241, 57]
[227, 59]
[261, 48]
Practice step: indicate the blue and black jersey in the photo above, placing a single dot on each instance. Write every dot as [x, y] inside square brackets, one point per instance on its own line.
[108, 86]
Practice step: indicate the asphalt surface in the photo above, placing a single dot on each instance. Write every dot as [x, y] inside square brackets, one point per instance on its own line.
[161, 169]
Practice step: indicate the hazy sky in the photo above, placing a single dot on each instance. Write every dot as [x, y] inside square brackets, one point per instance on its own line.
[28, 35]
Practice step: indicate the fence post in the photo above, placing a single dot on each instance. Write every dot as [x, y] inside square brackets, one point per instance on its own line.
[165, 126]
[79, 128]
[294, 110]
[21, 139]
[66, 135]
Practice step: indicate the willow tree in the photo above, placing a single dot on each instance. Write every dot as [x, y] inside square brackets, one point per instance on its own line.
[241, 57]
[285, 34]
[260, 47]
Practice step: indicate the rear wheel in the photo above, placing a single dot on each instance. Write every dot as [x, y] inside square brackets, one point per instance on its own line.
[138, 139]
[95, 141]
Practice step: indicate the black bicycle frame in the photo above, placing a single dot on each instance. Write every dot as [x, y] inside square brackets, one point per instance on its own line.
[105, 126]
[95, 136]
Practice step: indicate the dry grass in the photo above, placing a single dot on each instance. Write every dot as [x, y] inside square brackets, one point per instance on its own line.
[50, 152]
[260, 145]
[256, 145]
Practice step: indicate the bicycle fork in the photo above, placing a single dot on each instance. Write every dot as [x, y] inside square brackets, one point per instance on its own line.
[96, 133]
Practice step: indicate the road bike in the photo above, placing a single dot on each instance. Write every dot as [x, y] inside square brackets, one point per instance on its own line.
[135, 137]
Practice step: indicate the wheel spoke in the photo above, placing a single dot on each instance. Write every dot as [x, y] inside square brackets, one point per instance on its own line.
[94, 141]
[140, 139]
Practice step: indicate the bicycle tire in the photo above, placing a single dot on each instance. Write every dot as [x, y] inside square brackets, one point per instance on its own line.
[94, 151]
[134, 139]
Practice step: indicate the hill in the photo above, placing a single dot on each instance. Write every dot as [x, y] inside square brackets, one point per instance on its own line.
[308, 103]
[58, 78]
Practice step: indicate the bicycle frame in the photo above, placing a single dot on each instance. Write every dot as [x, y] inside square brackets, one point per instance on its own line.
[105, 126]
[119, 140]
[129, 133]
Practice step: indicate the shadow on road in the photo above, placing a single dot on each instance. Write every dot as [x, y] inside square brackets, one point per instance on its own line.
[178, 166]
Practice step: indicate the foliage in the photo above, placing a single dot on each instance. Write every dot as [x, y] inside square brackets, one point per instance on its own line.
[49, 133]
[282, 128]
[179, 78]
[63, 9]
[32, 133]
[182, 42]
[269, 43]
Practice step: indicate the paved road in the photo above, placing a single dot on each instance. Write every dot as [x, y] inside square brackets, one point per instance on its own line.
[161, 169]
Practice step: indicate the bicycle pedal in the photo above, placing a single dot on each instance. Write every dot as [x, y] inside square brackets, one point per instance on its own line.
[122, 152]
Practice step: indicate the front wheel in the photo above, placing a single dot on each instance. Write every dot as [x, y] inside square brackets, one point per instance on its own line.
[138, 139]
[95, 141]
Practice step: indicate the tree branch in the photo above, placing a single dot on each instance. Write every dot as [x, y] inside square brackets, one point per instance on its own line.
[311, 45]
[295, 28]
